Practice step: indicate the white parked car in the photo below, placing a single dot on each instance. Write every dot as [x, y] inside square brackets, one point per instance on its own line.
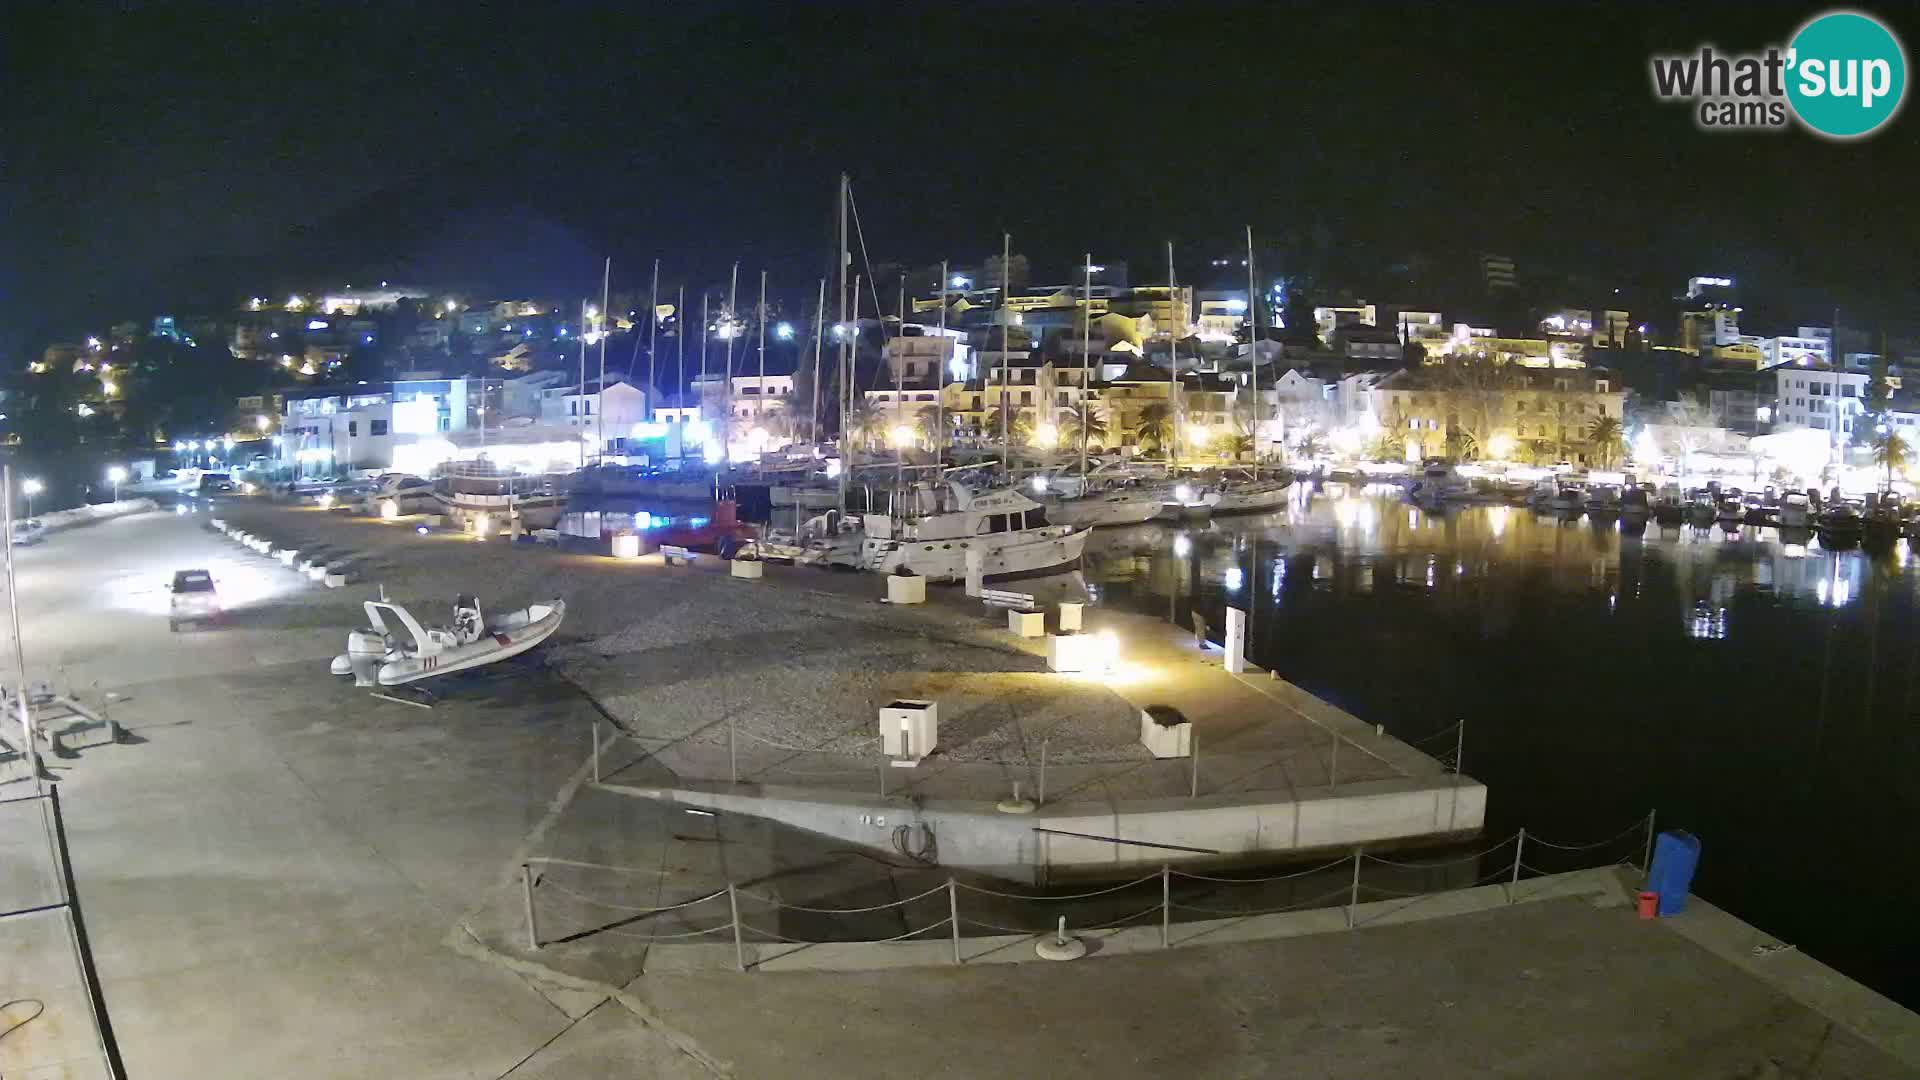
[28, 531]
[194, 599]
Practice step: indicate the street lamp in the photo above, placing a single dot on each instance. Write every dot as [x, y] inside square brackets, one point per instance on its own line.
[262, 423]
[30, 487]
[117, 475]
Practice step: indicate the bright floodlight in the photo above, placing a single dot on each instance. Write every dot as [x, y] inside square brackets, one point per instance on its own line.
[32, 486]
[453, 305]
[902, 436]
[227, 443]
[784, 331]
[960, 282]
[1236, 306]
[117, 474]
[1046, 435]
[1039, 485]
[1182, 547]
[262, 422]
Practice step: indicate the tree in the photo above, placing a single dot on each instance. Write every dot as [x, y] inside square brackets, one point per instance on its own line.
[1604, 434]
[1154, 429]
[1890, 449]
[1017, 427]
[1096, 427]
[1232, 444]
[866, 424]
[927, 422]
[1463, 444]
[1312, 445]
[1564, 419]
[1879, 397]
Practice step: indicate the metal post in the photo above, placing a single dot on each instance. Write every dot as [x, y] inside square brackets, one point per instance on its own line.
[596, 749]
[1166, 903]
[1333, 762]
[1519, 846]
[883, 779]
[1646, 862]
[953, 916]
[733, 753]
[1194, 746]
[77, 926]
[1460, 747]
[733, 906]
[1353, 892]
[533, 927]
[1042, 800]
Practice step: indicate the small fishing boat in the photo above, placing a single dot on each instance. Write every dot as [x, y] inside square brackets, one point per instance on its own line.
[1603, 500]
[1729, 512]
[1187, 501]
[385, 656]
[1634, 505]
[1566, 499]
[1700, 509]
[1795, 511]
[1252, 496]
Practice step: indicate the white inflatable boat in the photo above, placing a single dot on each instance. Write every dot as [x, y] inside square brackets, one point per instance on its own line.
[386, 655]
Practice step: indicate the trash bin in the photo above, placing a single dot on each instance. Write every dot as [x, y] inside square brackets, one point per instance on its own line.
[1675, 856]
[1649, 904]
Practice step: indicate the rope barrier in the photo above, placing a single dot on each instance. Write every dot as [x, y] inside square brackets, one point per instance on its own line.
[1070, 896]
[1377, 916]
[1301, 905]
[1257, 880]
[838, 911]
[1444, 862]
[582, 928]
[748, 927]
[628, 907]
[1007, 929]
[1116, 923]
[548, 860]
[1637, 827]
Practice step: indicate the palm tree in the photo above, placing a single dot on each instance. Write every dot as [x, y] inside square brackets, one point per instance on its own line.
[1890, 448]
[1604, 433]
[1017, 427]
[1312, 445]
[1463, 444]
[866, 424]
[926, 421]
[1096, 427]
[1232, 444]
[1154, 430]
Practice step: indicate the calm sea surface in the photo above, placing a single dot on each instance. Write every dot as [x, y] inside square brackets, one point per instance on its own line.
[1758, 693]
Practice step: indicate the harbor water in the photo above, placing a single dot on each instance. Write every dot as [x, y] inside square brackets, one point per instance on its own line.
[1759, 694]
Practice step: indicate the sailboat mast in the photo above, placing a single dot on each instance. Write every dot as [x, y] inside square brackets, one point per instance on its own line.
[726, 425]
[1006, 341]
[760, 404]
[680, 343]
[1253, 352]
[600, 395]
[900, 391]
[853, 362]
[583, 369]
[1086, 367]
[703, 363]
[819, 337]
[1173, 370]
[846, 443]
[653, 324]
[940, 379]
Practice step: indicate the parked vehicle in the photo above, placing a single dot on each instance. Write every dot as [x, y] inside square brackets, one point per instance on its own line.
[28, 531]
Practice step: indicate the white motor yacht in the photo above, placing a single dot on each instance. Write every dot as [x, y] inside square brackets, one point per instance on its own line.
[1252, 496]
[1010, 531]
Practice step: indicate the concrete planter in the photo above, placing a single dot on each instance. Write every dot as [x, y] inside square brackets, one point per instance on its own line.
[1070, 616]
[906, 589]
[626, 546]
[1027, 624]
[335, 581]
[751, 569]
[317, 573]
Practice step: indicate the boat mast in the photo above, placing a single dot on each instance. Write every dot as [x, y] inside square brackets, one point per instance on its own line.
[703, 365]
[1086, 366]
[653, 324]
[600, 394]
[583, 369]
[900, 391]
[1173, 371]
[1253, 352]
[846, 444]
[1006, 341]
[760, 402]
[853, 364]
[819, 335]
[680, 341]
[940, 378]
[726, 425]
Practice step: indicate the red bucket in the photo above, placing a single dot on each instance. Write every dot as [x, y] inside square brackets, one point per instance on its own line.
[1649, 905]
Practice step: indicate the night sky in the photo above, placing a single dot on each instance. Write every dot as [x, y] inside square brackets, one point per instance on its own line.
[185, 155]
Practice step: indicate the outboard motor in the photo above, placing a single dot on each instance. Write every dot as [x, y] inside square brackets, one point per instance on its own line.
[366, 649]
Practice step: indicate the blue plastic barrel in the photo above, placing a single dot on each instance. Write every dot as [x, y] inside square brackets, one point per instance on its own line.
[1675, 857]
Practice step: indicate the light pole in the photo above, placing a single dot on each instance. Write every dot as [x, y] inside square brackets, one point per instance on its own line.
[30, 487]
[117, 475]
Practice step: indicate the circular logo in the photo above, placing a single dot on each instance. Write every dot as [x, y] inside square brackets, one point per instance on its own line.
[1847, 74]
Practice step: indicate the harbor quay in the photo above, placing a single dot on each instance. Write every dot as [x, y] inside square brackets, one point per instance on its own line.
[323, 876]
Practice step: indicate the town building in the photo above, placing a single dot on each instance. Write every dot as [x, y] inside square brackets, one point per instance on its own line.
[1818, 397]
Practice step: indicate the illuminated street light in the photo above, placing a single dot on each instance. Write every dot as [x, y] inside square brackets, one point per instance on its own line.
[1237, 306]
[784, 331]
[902, 436]
[226, 443]
[30, 487]
[961, 282]
[109, 387]
[262, 422]
[1046, 436]
[452, 306]
[116, 475]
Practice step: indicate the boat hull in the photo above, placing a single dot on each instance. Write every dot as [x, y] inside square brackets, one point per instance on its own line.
[1254, 501]
[1095, 512]
[1003, 555]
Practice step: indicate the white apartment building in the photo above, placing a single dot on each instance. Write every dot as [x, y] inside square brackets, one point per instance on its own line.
[368, 426]
[1819, 398]
[1329, 319]
[1812, 345]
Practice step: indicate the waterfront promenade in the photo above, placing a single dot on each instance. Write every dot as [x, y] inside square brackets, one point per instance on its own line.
[315, 881]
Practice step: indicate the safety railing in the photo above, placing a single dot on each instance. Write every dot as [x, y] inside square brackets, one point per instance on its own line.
[1352, 884]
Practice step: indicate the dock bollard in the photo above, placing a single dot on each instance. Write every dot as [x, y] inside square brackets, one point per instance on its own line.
[1061, 946]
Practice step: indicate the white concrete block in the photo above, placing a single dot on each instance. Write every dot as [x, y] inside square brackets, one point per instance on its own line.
[335, 581]
[286, 556]
[1236, 643]
[909, 729]
[316, 573]
[906, 589]
[1070, 616]
[751, 569]
[1073, 652]
[1165, 732]
[1027, 624]
[626, 546]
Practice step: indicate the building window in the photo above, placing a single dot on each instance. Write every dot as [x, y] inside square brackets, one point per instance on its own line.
[446, 423]
[353, 428]
[379, 427]
[573, 408]
[586, 408]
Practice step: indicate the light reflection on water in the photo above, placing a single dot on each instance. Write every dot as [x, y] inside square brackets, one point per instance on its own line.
[1755, 689]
